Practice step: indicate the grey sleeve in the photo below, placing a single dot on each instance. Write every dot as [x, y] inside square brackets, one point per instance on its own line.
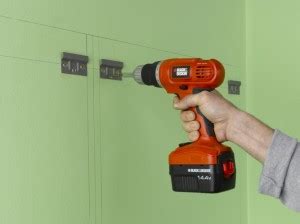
[280, 177]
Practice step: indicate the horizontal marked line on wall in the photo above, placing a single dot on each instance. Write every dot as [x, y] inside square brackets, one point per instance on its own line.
[29, 59]
[92, 35]
[101, 37]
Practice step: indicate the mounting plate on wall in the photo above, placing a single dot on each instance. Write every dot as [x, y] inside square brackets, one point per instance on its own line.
[234, 87]
[74, 64]
[110, 69]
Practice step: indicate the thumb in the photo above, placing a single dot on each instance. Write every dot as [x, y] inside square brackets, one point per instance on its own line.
[187, 102]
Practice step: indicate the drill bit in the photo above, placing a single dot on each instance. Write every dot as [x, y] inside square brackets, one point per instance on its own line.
[127, 75]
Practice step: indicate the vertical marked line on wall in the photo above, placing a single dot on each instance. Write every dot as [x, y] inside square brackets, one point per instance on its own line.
[94, 128]
[89, 148]
[86, 44]
[97, 139]
[89, 134]
[100, 160]
[91, 130]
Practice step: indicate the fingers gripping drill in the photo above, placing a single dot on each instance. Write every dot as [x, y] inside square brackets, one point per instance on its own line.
[204, 165]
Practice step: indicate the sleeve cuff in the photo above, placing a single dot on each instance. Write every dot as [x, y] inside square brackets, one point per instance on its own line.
[276, 164]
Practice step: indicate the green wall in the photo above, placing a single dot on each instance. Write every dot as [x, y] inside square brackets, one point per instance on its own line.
[272, 90]
[85, 150]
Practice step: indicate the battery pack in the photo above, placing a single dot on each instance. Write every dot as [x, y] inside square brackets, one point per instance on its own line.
[205, 178]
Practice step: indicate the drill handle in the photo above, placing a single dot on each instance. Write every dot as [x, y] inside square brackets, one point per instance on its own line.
[206, 127]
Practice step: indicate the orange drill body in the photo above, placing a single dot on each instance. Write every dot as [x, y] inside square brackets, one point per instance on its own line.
[203, 74]
[204, 165]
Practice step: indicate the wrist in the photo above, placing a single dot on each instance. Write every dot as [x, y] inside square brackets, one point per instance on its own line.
[236, 121]
[249, 133]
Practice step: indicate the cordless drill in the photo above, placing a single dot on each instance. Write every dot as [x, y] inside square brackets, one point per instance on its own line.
[205, 165]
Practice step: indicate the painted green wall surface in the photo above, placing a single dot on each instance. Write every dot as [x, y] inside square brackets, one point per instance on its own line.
[85, 150]
[180, 26]
[44, 133]
[273, 89]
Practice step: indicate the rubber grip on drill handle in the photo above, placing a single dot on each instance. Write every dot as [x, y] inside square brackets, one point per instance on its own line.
[209, 126]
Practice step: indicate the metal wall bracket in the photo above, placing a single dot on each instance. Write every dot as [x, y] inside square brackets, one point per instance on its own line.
[74, 64]
[110, 69]
[234, 87]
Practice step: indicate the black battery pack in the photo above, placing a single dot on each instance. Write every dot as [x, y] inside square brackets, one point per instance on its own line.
[205, 178]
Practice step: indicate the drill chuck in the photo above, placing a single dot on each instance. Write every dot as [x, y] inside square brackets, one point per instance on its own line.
[147, 74]
[137, 74]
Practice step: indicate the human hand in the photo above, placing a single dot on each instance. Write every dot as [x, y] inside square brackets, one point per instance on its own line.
[214, 107]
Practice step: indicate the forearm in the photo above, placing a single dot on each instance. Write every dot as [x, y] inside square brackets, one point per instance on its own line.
[279, 153]
[251, 134]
